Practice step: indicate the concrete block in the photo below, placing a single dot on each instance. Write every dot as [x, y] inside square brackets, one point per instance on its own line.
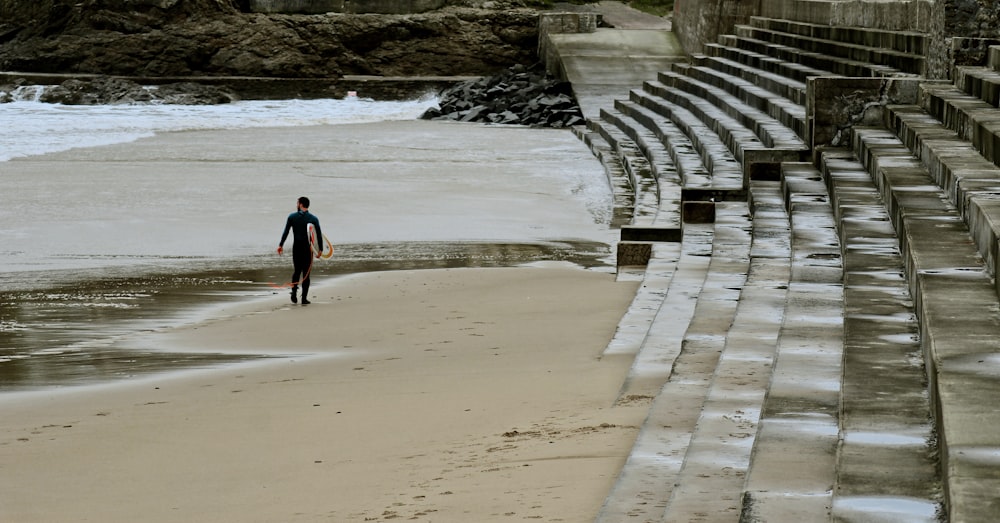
[651, 233]
[699, 212]
[633, 253]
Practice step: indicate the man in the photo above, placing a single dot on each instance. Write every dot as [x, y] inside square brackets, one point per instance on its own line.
[302, 254]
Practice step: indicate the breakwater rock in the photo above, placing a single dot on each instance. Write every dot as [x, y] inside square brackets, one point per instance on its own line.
[116, 91]
[176, 38]
[519, 95]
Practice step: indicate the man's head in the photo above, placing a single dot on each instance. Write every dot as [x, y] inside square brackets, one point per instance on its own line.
[303, 203]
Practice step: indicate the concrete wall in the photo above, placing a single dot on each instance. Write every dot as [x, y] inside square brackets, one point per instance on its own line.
[699, 21]
[345, 6]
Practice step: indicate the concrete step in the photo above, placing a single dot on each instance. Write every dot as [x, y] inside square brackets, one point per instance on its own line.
[727, 48]
[907, 62]
[794, 455]
[910, 42]
[959, 316]
[654, 359]
[971, 183]
[638, 169]
[710, 483]
[981, 82]
[744, 39]
[623, 197]
[973, 119]
[788, 113]
[725, 172]
[993, 57]
[887, 451]
[665, 174]
[687, 159]
[674, 367]
[783, 86]
[747, 144]
[656, 277]
[736, 137]
[771, 132]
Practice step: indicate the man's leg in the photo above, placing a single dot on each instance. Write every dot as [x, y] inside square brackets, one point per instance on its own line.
[306, 273]
[303, 262]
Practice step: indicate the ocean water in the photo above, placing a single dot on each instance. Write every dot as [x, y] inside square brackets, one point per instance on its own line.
[393, 193]
[32, 128]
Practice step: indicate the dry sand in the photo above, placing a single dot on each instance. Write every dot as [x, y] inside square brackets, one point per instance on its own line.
[465, 395]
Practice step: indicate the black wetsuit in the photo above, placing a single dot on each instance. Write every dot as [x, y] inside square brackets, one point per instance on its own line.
[302, 256]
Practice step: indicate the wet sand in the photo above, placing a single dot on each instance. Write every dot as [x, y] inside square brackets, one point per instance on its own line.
[442, 394]
[448, 395]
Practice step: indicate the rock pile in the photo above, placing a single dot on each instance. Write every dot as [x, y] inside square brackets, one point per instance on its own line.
[111, 91]
[519, 95]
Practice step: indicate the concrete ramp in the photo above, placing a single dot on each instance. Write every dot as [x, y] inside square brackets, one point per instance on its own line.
[605, 64]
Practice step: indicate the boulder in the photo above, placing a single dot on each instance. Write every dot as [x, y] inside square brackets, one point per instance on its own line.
[117, 91]
[519, 95]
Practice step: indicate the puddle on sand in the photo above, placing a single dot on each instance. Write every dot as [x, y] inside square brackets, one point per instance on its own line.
[63, 333]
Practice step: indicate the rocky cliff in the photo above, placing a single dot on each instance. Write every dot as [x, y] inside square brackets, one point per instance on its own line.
[218, 38]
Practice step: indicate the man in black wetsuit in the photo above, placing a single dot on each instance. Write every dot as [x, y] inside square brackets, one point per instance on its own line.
[302, 253]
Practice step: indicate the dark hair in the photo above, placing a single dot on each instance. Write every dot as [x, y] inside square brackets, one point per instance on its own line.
[304, 201]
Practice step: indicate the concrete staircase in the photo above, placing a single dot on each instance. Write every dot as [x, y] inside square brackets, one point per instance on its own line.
[818, 334]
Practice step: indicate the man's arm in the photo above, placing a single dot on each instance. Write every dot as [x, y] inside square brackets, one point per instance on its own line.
[319, 237]
[284, 235]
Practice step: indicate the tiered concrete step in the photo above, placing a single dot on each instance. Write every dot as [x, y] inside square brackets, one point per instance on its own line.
[899, 50]
[654, 355]
[959, 317]
[793, 462]
[973, 119]
[783, 86]
[727, 48]
[980, 82]
[640, 175]
[911, 43]
[655, 277]
[971, 182]
[886, 461]
[759, 148]
[667, 216]
[722, 174]
[686, 158]
[677, 361]
[709, 486]
[771, 132]
[786, 112]
[747, 38]
[623, 197]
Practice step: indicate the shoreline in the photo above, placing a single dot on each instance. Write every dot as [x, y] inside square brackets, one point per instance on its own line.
[430, 395]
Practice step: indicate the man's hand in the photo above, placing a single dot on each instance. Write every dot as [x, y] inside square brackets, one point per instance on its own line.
[281, 249]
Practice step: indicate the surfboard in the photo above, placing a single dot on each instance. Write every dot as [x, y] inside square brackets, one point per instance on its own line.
[314, 243]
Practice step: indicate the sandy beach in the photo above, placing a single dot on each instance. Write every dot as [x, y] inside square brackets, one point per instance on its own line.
[437, 395]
